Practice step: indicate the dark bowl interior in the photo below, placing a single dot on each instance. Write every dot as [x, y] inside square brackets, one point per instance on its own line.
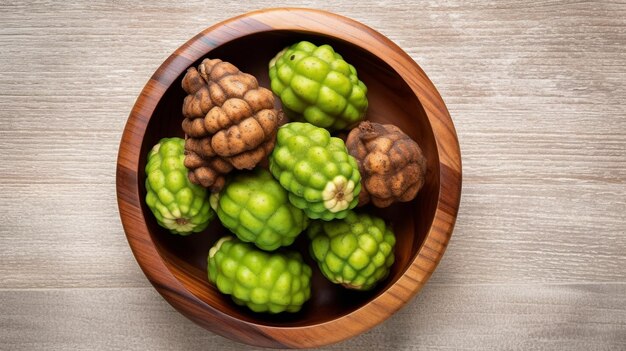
[390, 101]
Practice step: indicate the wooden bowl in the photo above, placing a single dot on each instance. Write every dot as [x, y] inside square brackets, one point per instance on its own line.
[399, 93]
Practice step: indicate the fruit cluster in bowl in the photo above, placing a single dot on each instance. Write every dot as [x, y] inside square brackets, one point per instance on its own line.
[317, 184]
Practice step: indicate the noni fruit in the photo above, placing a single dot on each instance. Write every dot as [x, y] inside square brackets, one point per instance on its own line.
[355, 252]
[178, 205]
[262, 281]
[315, 84]
[316, 169]
[255, 207]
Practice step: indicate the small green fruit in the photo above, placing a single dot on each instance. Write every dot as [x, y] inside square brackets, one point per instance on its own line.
[256, 208]
[177, 204]
[315, 84]
[316, 169]
[262, 281]
[355, 252]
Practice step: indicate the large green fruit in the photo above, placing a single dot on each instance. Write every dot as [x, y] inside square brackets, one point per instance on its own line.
[263, 281]
[178, 205]
[355, 252]
[255, 207]
[316, 85]
[316, 169]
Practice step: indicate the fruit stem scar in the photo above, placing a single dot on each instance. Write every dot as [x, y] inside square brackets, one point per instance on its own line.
[182, 221]
[338, 194]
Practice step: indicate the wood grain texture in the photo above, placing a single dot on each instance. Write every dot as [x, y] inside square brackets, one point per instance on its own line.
[177, 268]
[447, 317]
[535, 90]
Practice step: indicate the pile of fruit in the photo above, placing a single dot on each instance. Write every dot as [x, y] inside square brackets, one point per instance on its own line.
[314, 182]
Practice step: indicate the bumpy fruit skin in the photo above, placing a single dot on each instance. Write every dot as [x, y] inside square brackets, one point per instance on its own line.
[316, 85]
[262, 281]
[316, 169]
[355, 252]
[392, 165]
[230, 122]
[255, 207]
[178, 205]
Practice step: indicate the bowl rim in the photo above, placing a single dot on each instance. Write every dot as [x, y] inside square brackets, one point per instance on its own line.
[383, 305]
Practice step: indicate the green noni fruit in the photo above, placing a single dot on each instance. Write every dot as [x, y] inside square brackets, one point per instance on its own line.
[178, 205]
[315, 84]
[264, 281]
[355, 252]
[316, 169]
[255, 207]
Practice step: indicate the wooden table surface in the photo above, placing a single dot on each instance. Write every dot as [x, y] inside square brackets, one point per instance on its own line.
[536, 90]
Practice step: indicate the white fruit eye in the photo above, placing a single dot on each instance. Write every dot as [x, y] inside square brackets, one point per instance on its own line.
[338, 194]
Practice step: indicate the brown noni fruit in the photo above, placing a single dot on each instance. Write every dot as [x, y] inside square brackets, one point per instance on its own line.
[230, 122]
[392, 165]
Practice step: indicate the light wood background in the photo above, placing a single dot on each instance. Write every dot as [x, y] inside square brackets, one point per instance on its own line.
[537, 92]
